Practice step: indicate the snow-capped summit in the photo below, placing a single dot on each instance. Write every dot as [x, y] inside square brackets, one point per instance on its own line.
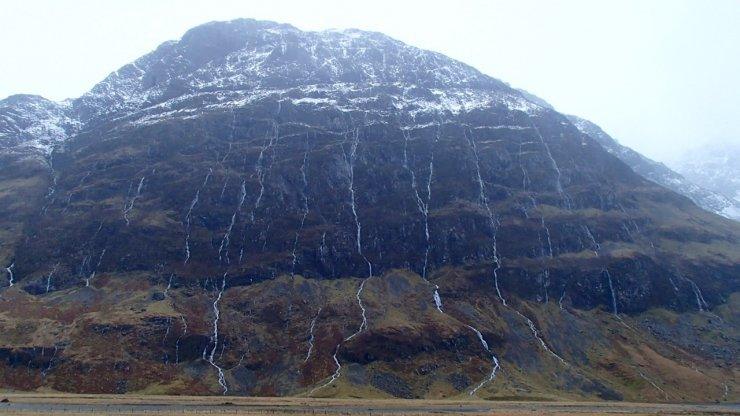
[230, 64]
[224, 63]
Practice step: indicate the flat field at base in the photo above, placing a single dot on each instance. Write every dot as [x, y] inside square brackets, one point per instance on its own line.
[30, 404]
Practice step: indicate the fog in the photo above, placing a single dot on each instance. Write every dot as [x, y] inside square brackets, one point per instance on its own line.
[660, 76]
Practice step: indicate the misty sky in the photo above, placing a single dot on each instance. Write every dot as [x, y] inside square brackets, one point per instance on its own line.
[660, 76]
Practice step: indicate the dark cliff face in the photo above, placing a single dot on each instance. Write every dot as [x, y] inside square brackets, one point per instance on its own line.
[259, 210]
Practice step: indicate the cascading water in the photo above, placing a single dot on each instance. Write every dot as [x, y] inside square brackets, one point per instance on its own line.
[130, 204]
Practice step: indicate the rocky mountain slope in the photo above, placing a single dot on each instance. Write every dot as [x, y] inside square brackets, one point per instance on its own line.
[711, 198]
[258, 210]
[715, 167]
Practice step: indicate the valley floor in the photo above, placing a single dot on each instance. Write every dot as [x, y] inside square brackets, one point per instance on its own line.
[29, 404]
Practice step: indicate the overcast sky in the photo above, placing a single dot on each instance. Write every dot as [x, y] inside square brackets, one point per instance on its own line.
[660, 76]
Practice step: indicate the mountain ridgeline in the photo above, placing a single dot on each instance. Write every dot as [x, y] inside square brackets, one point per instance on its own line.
[715, 166]
[259, 210]
[711, 200]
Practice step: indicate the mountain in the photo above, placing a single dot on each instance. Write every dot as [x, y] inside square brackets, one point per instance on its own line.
[715, 167]
[259, 210]
[32, 126]
[698, 187]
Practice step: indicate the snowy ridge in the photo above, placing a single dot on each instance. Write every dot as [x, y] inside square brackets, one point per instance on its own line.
[715, 167]
[348, 69]
[662, 175]
[34, 123]
[226, 65]
[250, 55]
[382, 99]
